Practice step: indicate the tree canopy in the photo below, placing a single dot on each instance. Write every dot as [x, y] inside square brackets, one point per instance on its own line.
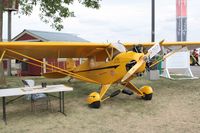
[51, 11]
[54, 11]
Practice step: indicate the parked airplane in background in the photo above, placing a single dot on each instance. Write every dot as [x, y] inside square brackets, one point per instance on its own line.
[106, 64]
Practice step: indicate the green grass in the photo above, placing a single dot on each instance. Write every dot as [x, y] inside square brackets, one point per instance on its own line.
[174, 108]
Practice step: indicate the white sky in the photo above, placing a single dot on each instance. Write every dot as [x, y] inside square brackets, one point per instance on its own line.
[127, 21]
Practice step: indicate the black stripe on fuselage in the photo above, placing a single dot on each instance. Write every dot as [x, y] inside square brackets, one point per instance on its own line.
[109, 67]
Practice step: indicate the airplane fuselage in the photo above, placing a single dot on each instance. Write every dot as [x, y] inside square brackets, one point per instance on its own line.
[112, 71]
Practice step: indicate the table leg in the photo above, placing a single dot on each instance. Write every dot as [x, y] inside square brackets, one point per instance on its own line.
[60, 99]
[31, 103]
[61, 102]
[4, 110]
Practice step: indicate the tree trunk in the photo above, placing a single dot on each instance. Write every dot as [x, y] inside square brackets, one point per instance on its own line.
[1, 20]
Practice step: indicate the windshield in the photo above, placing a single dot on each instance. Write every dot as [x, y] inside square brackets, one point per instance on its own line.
[119, 46]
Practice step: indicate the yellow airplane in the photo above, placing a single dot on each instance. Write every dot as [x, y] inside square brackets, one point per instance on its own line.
[105, 64]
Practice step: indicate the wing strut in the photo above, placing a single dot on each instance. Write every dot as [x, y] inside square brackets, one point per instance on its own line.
[67, 73]
[41, 66]
[165, 56]
[2, 55]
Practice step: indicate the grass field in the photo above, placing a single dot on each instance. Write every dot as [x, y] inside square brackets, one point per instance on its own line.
[175, 108]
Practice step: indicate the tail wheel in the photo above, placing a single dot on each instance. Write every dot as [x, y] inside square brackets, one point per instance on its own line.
[147, 92]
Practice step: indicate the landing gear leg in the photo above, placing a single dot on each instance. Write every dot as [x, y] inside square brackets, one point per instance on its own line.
[146, 92]
[133, 88]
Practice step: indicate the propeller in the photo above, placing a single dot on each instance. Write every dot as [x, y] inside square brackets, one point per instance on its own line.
[140, 62]
[143, 59]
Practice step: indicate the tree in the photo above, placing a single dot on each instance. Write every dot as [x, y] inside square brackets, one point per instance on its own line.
[1, 19]
[52, 11]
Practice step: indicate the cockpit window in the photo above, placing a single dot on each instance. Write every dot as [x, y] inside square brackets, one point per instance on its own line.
[119, 46]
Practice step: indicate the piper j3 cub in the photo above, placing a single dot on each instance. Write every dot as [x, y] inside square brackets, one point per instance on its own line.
[105, 64]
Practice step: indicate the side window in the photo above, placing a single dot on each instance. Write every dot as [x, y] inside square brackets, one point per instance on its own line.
[92, 62]
[24, 66]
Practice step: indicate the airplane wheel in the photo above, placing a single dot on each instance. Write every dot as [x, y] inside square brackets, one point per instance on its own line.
[94, 100]
[95, 105]
[147, 91]
[147, 96]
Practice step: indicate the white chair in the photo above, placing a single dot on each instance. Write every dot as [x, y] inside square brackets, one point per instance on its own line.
[28, 83]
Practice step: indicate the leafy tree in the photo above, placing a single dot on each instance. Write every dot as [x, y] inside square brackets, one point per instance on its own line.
[1, 19]
[51, 11]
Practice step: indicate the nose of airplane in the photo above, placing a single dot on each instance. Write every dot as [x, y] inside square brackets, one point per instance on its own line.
[135, 66]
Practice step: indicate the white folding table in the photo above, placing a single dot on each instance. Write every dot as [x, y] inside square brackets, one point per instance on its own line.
[33, 90]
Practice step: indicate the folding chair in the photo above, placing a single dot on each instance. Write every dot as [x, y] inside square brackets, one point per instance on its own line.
[41, 98]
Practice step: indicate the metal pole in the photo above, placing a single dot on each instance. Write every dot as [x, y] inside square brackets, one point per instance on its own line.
[9, 24]
[153, 21]
[9, 39]
[1, 20]
[152, 30]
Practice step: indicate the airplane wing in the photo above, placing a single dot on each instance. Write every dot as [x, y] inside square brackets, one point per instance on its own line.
[40, 50]
[189, 45]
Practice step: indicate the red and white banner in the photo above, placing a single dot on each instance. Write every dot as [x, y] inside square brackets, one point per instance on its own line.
[181, 20]
[181, 8]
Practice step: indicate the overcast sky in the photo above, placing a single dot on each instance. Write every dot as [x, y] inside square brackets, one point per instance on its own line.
[127, 21]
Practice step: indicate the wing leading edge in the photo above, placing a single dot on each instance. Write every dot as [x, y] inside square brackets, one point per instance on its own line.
[75, 49]
[189, 45]
[54, 49]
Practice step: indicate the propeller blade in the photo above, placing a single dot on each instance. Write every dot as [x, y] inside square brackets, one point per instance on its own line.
[151, 53]
[133, 69]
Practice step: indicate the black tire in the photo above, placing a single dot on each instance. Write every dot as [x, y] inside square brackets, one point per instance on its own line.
[147, 96]
[95, 105]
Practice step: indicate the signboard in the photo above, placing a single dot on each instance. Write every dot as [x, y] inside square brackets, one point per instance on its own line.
[154, 50]
[178, 65]
[11, 5]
